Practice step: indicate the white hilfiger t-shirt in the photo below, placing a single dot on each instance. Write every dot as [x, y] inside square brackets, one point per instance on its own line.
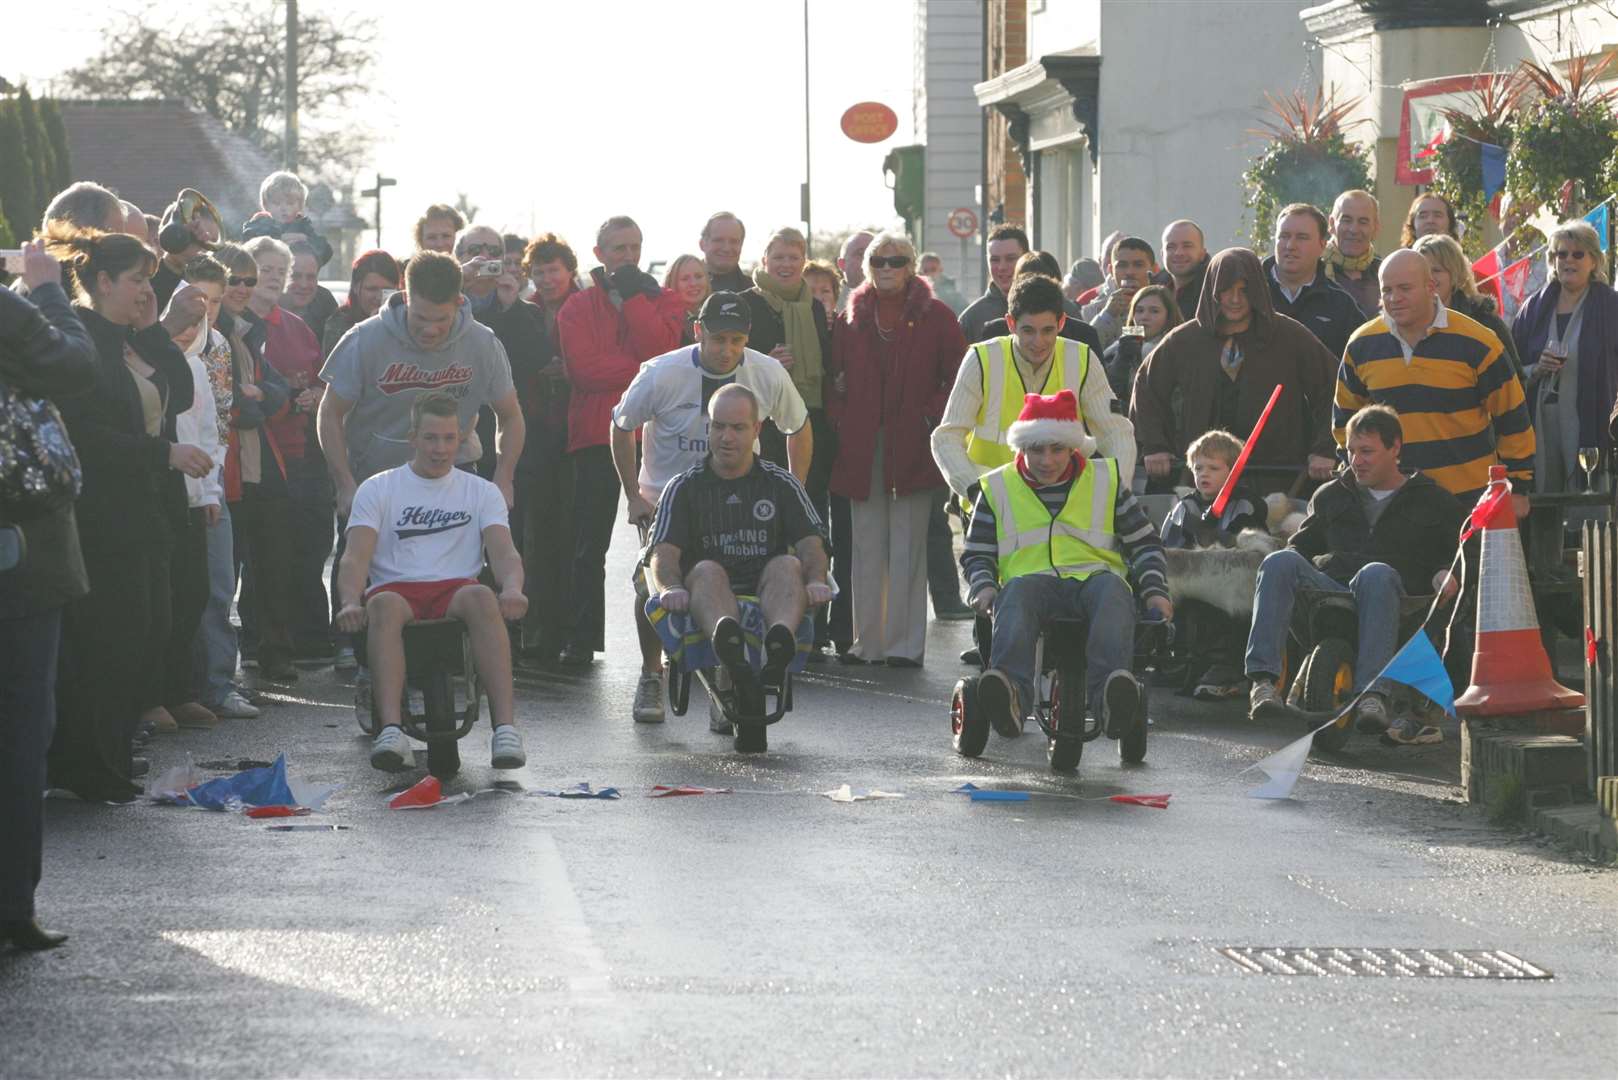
[427, 530]
[666, 399]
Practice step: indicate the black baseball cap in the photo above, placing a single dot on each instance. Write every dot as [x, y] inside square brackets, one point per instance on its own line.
[725, 311]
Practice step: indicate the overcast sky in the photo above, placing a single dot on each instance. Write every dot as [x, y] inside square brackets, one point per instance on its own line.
[555, 115]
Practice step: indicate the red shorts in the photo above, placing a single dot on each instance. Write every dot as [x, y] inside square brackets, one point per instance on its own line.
[427, 599]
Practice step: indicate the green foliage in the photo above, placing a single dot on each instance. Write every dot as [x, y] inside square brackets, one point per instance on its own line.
[38, 151]
[16, 173]
[1288, 171]
[7, 238]
[50, 114]
[1458, 176]
[1556, 141]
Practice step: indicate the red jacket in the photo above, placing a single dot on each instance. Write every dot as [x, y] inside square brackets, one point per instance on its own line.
[291, 348]
[927, 351]
[604, 346]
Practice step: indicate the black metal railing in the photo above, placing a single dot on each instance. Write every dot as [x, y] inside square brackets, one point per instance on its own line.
[1599, 571]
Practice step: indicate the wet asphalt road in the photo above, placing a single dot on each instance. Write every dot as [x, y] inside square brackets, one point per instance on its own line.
[775, 932]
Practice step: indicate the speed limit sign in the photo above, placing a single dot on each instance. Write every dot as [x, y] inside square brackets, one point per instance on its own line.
[963, 222]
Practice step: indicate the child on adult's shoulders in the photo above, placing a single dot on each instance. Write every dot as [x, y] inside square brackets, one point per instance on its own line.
[281, 199]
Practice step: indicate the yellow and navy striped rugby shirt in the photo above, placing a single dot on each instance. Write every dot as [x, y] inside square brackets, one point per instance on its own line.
[1459, 402]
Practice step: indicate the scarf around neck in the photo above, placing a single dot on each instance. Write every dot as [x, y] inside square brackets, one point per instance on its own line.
[796, 306]
[1336, 261]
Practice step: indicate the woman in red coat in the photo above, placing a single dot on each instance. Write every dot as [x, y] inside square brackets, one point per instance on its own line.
[896, 352]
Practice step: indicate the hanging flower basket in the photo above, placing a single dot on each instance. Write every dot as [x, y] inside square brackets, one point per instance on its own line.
[1308, 159]
[1567, 134]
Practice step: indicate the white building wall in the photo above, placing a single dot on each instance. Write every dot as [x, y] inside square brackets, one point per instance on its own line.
[950, 124]
[1061, 25]
[1181, 83]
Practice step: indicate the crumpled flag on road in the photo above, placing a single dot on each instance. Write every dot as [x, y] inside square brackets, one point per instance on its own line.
[261, 791]
[581, 790]
[848, 794]
[1156, 802]
[425, 794]
[664, 791]
[251, 787]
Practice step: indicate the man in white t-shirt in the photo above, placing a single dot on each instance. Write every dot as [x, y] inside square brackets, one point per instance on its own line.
[417, 534]
[668, 401]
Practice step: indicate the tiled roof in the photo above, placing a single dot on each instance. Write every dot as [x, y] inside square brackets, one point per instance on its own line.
[148, 150]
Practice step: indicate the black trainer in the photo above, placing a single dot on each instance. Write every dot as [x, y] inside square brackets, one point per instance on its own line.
[1120, 703]
[780, 646]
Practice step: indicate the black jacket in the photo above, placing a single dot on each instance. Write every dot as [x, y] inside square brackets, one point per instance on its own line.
[1325, 310]
[985, 319]
[1483, 310]
[769, 329]
[44, 352]
[521, 329]
[131, 497]
[1187, 295]
[1417, 533]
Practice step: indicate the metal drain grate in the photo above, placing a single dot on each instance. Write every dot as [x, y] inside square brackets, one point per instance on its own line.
[1414, 963]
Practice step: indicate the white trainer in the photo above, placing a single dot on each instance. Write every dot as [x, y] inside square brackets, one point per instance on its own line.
[390, 750]
[506, 749]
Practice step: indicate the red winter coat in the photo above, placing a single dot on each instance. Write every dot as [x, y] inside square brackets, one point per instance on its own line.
[909, 391]
[604, 346]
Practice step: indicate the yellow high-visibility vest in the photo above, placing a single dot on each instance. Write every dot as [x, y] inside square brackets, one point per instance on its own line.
[1003, 392]
[1075, 543]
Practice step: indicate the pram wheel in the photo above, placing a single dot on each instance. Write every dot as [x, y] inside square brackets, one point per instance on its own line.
[1064, 752]
[969, 728]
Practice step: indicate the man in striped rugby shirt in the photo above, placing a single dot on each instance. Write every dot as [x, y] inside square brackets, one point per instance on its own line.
[1054, 535]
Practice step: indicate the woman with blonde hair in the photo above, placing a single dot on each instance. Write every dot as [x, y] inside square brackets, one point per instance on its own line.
[1567, 334]
[895, 352]
[1458, 289]
[688, 277]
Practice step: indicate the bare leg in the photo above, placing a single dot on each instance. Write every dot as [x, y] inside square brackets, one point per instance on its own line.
[477, 607]
[651, 646]
[386, 614]
[711, 598]
[781, 595]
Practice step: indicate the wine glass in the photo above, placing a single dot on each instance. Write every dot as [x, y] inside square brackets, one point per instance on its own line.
[1590, 462]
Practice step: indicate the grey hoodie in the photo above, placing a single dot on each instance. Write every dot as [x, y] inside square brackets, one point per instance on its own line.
[379, 367]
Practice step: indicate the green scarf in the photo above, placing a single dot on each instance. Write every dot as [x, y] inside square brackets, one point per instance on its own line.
[1336, 261]
[796, 306]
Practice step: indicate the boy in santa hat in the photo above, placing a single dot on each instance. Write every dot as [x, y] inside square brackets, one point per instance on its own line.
[1055, 535]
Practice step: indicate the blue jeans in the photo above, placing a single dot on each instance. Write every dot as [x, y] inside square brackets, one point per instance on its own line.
[1027, 604]
[215, 647]
[1376, 591]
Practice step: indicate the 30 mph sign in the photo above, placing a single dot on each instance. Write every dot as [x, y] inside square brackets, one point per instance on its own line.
[963, 222]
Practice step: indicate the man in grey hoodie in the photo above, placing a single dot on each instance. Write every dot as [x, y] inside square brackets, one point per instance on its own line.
[430, 342]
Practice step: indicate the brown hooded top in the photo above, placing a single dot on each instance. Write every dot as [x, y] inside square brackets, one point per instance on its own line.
[1176, 394]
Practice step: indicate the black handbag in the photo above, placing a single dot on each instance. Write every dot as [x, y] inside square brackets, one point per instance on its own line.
[39, 469]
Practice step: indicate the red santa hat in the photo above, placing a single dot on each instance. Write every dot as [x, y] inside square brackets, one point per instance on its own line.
[1047, 420]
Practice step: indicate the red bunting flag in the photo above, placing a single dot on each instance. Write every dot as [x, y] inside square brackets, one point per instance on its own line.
[1156, 802]
[429, 792]
[1590, 651]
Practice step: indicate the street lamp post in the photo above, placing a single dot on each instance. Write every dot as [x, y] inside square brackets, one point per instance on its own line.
[376, 193]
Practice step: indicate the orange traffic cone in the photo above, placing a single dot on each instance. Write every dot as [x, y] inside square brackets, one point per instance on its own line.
[1510, 671]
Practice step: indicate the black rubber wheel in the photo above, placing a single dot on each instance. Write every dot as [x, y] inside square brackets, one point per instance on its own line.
[1328, 684]
[1132, 746]
[438, 702]
[752, 738]
[1067, 701]
[969, 728]
[1064, 752]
